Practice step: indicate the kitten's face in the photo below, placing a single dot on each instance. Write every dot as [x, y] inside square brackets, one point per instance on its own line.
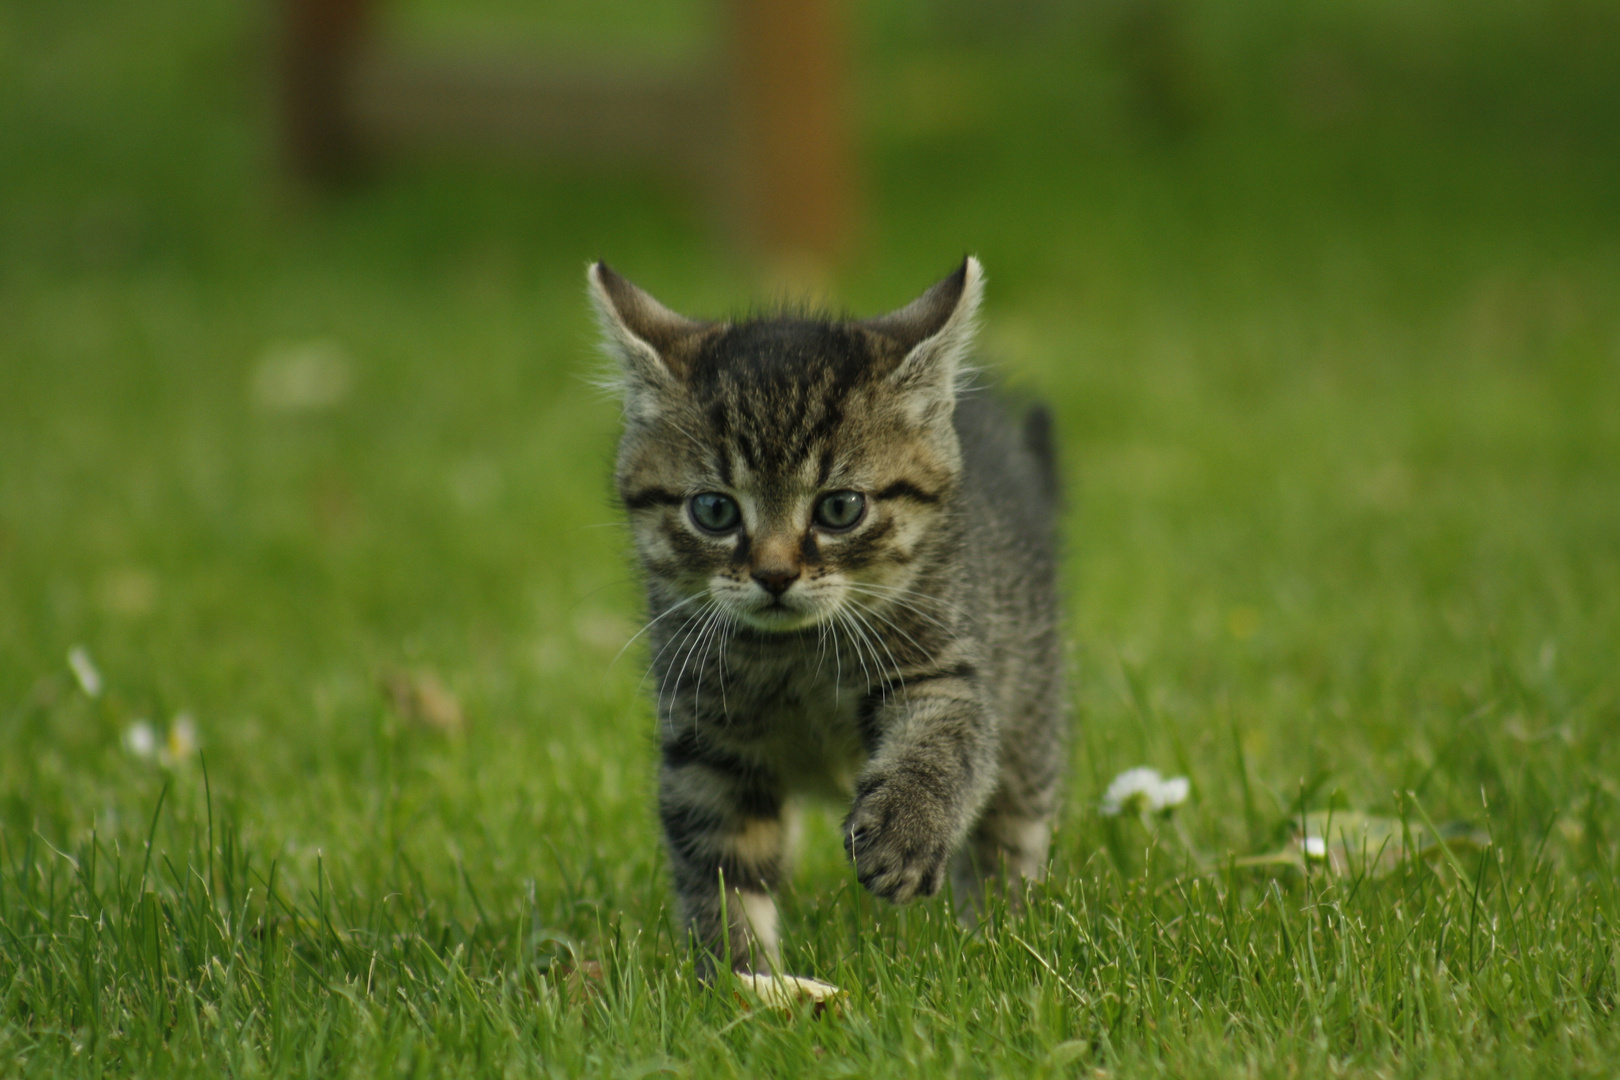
[783, 515]
[788, 470]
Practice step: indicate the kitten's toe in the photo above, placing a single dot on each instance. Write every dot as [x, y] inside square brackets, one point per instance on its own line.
[904, 882]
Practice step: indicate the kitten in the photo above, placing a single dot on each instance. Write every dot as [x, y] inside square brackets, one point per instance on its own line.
[850, 571]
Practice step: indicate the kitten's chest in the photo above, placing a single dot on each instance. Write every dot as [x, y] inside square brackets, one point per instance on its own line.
[800, 719]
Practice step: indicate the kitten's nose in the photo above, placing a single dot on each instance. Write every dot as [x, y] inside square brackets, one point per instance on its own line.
[776, 580]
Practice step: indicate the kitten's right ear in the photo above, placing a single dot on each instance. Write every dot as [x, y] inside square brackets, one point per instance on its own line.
[646, 338]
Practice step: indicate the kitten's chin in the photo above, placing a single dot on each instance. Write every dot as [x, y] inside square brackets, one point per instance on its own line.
[779, 619]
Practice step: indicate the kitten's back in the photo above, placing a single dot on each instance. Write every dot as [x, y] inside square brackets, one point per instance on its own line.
[1010, 473]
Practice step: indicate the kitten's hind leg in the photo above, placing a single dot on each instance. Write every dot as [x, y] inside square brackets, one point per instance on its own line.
[722, 823]
[1009, 843]
[1007, 847]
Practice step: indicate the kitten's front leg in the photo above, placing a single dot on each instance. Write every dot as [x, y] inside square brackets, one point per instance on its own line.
[722, 822]
[929, 775]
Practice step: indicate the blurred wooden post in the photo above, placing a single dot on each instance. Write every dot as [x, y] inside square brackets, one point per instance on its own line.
[344, 97]
[321, 47]
[792, 128]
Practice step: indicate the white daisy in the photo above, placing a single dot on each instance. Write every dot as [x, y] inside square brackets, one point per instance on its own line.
[1143, 790]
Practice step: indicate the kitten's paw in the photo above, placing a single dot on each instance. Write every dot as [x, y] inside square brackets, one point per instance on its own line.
[898, 843]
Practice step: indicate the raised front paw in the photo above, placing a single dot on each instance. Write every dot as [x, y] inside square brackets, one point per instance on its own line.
[899, 840]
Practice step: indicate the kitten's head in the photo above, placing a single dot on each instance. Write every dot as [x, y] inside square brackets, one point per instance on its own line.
[787, 467]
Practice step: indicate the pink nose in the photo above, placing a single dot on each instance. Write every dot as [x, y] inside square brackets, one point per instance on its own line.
[775, 580]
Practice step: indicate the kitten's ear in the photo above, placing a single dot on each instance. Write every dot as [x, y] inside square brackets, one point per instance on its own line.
[650, 342]
[934, 332]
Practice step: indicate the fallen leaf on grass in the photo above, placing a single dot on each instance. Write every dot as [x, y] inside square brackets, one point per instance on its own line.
[789, 992]
[420, 698]
[1347, 842]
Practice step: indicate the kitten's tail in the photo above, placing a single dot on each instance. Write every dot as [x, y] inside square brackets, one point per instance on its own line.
[1038, 441]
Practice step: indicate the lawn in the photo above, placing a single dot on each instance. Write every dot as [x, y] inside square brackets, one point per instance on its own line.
[351, 777]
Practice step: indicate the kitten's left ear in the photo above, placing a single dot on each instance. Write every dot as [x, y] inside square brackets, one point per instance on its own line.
[934, 332]
[650, 341]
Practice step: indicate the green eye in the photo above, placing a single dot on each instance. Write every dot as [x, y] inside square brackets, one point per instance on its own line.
[714, 512]
[841, 510]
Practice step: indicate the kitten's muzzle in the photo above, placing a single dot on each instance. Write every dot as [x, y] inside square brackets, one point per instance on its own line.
[775, 580]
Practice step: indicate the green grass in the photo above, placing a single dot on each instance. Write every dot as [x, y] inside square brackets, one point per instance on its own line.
[1336, 359]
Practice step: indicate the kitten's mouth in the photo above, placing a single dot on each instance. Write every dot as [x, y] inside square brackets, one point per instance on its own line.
[780, 616]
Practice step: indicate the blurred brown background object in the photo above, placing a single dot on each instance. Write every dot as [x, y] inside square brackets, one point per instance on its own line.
[768, 138]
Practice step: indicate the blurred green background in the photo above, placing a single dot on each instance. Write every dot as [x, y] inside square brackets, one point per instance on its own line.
[1326, 296]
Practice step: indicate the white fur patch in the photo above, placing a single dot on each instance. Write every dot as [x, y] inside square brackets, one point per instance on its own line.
[759, 916]
[1027, 842]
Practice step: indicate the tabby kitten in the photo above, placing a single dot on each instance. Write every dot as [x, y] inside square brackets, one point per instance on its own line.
[850, 575]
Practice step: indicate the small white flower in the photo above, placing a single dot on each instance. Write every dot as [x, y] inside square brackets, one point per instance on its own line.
[1173, 792]
[140, 740]
[1143, 790]
[84, 670]
[1315, 847]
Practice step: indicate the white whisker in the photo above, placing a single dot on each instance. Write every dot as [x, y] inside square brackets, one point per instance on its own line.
[854, 642]
[680, 630]
[885, 620]
[711, 633]
[701, 636]
[821, 645]
[687, 633]
[914, 602]
[728, 629]
[838, 662]
[894, 665]
[653, 622]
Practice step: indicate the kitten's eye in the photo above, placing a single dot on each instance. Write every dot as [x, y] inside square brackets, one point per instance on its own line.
[841, 510]
[714, 512]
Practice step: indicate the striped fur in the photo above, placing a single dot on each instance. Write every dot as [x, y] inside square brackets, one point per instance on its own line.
[909, 662]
